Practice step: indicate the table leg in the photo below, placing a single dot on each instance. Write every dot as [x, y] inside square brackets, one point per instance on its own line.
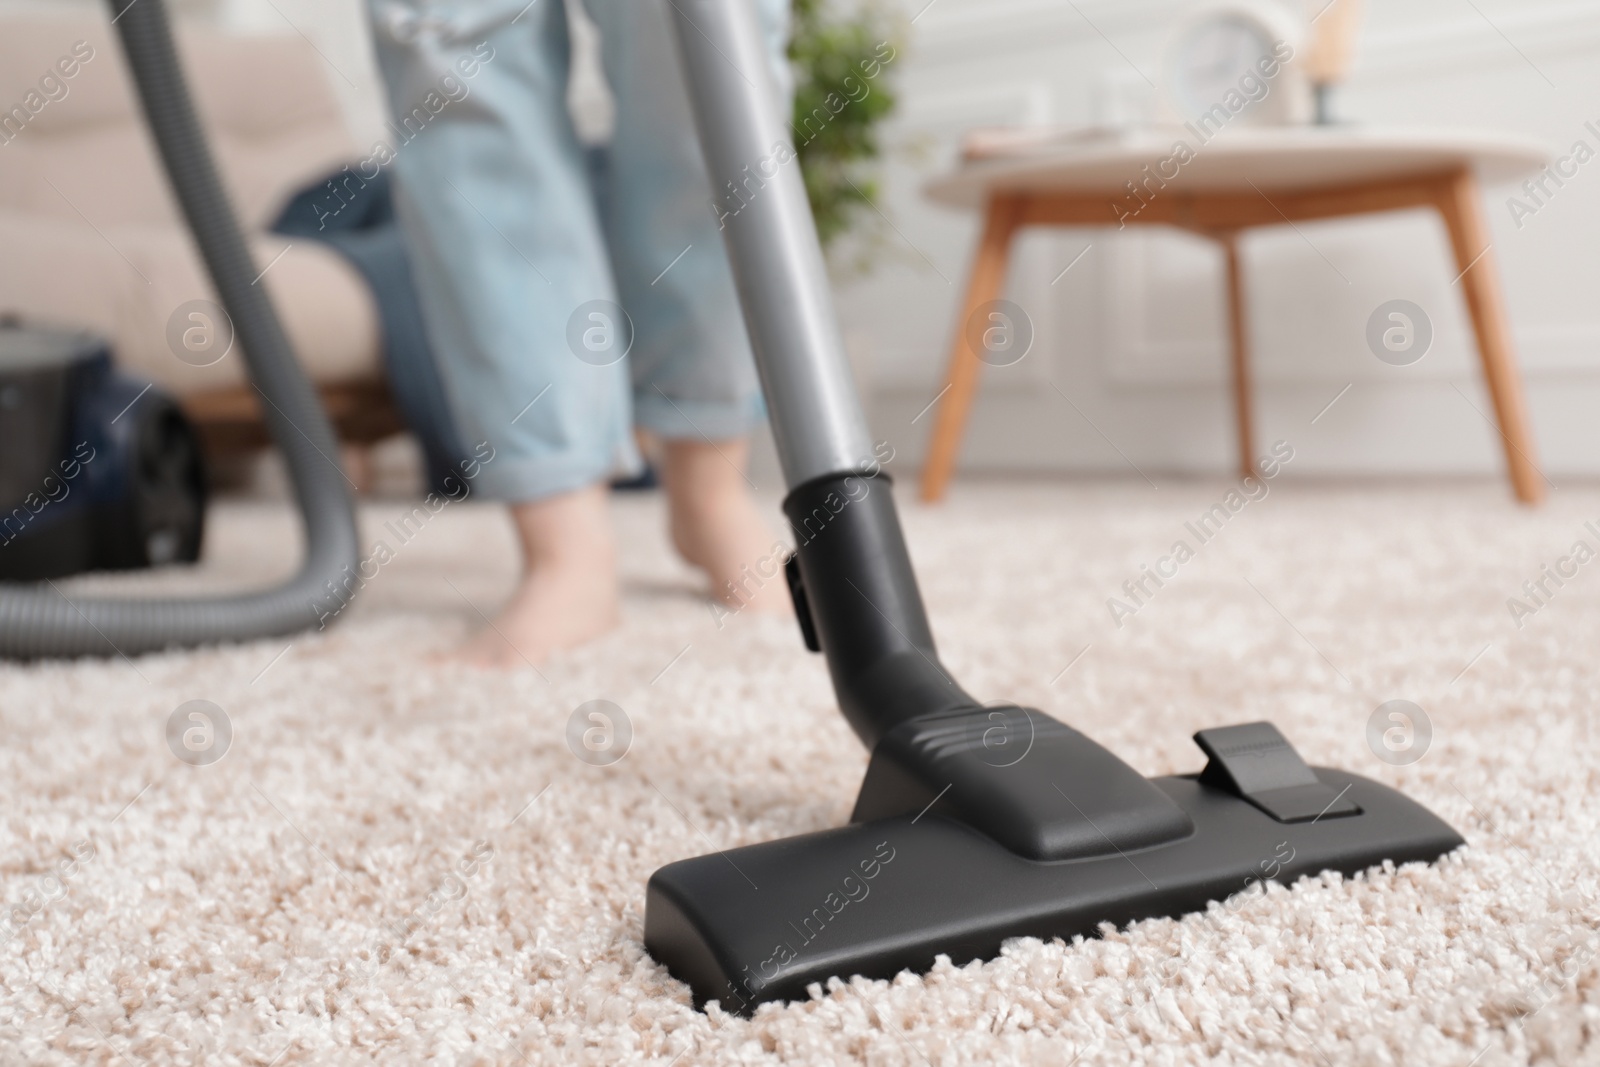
[1460, 206]
[961, 376]
[1239, 337]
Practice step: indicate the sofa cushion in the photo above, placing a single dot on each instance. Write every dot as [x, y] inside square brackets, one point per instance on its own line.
[127, 282]
[90, 236]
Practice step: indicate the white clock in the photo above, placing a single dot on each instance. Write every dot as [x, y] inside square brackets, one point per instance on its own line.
[1234, 63]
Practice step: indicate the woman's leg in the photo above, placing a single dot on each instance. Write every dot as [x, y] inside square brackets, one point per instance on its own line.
[511, 270]
[694, 380]
[715, 524]
[568, 593]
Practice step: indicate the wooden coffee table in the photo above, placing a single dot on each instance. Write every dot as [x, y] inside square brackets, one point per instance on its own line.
[1240, 179]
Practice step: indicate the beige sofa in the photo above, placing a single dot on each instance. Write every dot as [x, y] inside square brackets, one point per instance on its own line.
[90, 236]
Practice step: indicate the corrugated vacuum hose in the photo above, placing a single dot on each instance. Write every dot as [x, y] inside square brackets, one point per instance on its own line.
[38, 621]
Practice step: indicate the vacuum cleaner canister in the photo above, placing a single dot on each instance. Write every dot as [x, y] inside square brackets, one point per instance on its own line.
[98, 470]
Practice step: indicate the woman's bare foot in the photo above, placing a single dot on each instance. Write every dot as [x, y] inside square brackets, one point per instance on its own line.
[568, 594]
[716, 526]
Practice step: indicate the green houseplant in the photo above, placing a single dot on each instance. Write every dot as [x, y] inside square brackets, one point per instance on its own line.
[841, 57]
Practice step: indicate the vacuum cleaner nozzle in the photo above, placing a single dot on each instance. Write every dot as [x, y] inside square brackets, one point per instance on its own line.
[1056, 844]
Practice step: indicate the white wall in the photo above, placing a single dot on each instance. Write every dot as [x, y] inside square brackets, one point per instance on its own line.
[1134, 333]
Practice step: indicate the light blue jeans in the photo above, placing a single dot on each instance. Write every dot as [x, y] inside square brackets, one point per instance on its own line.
[531, 267]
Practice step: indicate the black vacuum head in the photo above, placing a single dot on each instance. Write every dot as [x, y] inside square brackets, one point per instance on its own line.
[955, 850]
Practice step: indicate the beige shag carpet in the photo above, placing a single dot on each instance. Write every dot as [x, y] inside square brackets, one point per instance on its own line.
[403, 863]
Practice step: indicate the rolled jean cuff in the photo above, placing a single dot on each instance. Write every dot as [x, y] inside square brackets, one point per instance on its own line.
[714, 420]
[525, 479]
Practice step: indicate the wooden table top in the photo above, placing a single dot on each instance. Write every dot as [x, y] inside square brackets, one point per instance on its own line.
[1236, 159]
